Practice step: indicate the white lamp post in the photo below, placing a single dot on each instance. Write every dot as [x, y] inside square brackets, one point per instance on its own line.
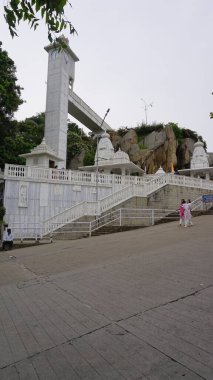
[146, 106]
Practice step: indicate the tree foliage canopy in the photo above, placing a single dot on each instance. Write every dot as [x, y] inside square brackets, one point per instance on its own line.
[23, 136]
[20, 138]
[77, 141]
[33, 11]
[10, 91]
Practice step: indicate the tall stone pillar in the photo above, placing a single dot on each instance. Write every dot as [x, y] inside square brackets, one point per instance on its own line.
[61, 74]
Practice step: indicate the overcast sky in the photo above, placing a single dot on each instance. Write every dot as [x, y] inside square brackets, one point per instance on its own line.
[158, 50]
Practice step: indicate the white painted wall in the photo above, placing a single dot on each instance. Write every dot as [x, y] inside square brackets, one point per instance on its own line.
[35, 201]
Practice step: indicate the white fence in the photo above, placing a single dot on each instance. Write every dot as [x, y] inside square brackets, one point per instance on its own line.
[31, 173]
[120, 217]
[152, 182]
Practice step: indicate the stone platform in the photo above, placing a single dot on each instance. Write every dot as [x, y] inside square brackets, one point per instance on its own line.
[131, 305]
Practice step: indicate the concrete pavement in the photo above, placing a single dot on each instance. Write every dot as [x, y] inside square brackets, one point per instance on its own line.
[131, 305]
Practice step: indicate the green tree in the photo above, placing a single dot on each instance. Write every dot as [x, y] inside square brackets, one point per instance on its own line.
[33, 11]
[77, 141]
[10, 91]
[21, 138]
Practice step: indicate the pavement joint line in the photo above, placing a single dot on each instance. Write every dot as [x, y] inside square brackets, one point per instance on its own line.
[48, 280]
[163, 353]
[165, 304]
[68, 341]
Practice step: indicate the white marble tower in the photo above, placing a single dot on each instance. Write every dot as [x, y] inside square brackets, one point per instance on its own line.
[61, 74]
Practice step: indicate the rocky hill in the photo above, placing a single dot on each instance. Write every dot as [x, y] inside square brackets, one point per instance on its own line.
[152, 146]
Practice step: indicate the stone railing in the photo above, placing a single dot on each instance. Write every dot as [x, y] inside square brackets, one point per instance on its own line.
[67, 216]
[171, 179]
[152, 182]
[31, 173]
[116, 198]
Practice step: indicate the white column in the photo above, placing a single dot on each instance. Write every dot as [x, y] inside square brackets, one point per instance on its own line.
[123, 171]
[61, 72]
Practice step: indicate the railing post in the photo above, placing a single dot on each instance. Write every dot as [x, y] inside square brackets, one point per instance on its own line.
[153, 217]
[113, 183]
[28, 171]
[50, 174]
[120, 217]
[69, 175]
[90, 229]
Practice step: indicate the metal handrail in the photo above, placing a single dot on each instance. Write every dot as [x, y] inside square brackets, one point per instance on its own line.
[120, 215]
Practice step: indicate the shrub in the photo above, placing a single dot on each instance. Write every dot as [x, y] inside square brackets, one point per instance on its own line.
[2, 213]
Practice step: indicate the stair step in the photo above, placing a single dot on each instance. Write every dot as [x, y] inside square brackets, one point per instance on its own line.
[111, 230]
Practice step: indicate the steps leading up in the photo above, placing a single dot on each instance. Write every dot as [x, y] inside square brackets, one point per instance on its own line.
[113, 229]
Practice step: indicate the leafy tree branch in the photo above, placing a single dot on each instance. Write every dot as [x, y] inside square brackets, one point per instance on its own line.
[52, 12]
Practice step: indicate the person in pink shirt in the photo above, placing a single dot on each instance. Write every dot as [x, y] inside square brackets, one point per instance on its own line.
[181, 212]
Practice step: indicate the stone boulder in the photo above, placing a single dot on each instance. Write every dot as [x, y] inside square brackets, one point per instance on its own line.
[76, 161]
[128, 140]
[184, 153]
[155, 139]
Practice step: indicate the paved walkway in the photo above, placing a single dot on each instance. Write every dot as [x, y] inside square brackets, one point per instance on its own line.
[131, 305]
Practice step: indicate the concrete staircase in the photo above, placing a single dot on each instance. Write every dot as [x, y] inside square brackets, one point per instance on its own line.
[114, 229]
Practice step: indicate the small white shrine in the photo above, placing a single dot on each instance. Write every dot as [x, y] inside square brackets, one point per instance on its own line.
[199, 166]
[42, 156]
[160, 171]
[109, 162]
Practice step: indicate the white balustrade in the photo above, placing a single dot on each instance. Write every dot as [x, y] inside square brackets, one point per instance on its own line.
[70, 176]
[64, 217]
[116, 198]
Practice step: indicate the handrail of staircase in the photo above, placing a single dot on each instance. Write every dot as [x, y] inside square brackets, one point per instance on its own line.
[129, 213]
[86, 208]
[114, 199]
[118, 215]
[64, 217]
[197, 204]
